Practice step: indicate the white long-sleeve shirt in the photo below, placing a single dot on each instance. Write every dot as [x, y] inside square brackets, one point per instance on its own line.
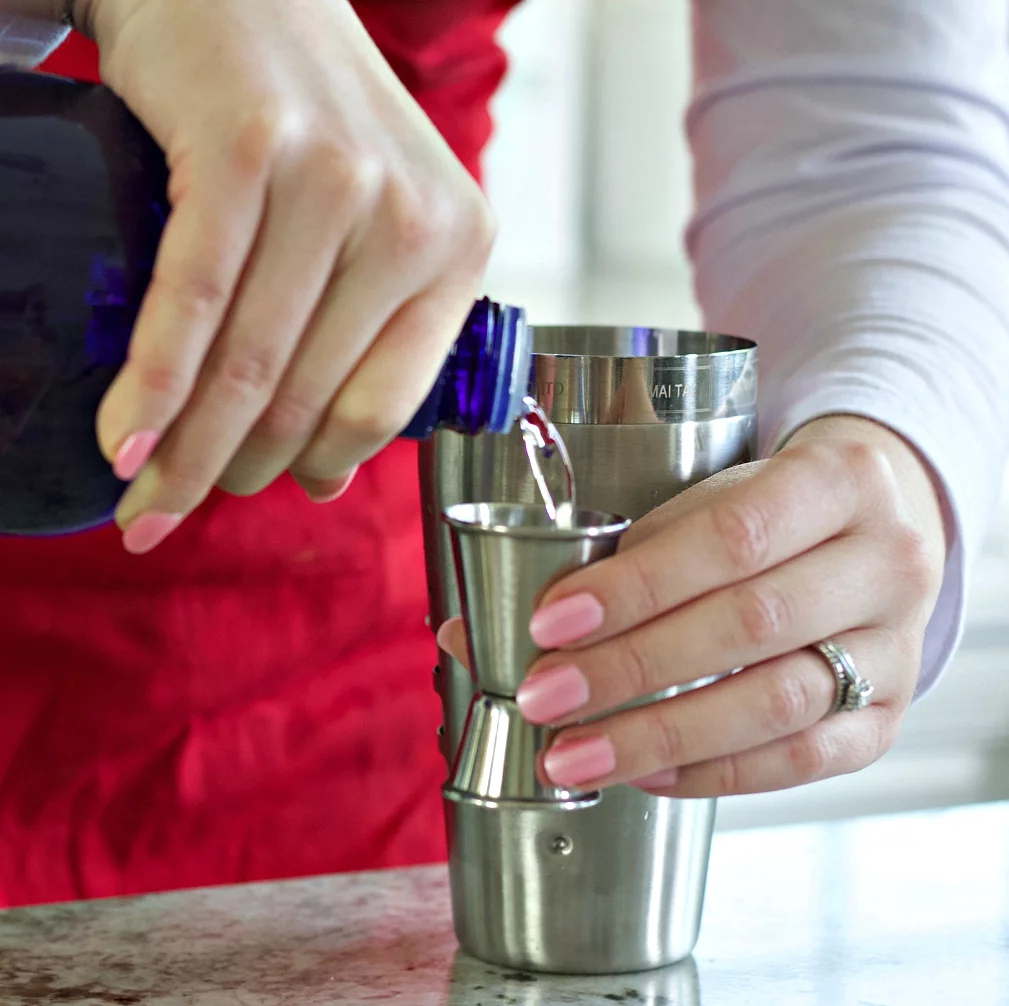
[26, 41]
[852, 165]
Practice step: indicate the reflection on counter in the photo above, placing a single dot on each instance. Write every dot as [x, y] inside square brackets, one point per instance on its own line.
[475, 984]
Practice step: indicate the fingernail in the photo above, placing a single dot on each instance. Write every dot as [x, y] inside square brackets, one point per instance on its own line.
[551, 695]
[149, 530]
[658, 780]
[447, 633]
[566, 621]
[334, 493]
[574, 763]
[134, 454]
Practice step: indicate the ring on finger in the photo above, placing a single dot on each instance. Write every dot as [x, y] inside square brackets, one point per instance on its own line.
[853, 691]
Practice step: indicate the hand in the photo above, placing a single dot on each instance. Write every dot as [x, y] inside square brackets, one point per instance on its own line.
[838, 536]
[323, 251]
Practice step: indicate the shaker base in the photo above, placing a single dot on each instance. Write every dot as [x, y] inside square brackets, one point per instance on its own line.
[614, 888]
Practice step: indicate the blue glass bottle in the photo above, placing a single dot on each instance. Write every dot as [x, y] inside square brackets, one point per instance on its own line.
[82, 206]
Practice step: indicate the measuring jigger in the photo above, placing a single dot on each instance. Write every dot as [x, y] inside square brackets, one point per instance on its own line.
[506, 829]
[506, 556]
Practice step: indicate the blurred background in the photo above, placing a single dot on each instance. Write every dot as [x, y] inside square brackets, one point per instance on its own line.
[591, 179]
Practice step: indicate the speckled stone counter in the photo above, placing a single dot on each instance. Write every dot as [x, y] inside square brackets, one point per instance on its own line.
[910, 910]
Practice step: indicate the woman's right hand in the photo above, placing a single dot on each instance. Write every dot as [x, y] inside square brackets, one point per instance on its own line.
[323, 251]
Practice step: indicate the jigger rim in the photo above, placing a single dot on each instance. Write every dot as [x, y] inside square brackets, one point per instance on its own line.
[493, 518]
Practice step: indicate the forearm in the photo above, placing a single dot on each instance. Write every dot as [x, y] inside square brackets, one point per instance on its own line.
[853, 174]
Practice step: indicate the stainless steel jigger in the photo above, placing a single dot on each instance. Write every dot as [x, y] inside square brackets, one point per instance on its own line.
[506, 556]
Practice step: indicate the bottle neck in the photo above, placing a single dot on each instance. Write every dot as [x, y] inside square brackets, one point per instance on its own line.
[490, 367]
[514, 370]
[484, 379]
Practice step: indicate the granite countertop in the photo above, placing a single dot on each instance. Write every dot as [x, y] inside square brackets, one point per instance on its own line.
[910, 909]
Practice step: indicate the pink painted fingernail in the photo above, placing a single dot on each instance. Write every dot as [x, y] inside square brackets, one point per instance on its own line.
[334, 494]
[658, 780]
[574, 763]
[149, 530]
[566, 621]
[448, 633]
[134, 454]
[551, 695]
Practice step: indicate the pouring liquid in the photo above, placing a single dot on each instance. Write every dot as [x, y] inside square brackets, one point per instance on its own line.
[544, 444]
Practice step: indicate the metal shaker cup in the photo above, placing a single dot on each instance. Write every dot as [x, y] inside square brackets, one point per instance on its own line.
[617, 885]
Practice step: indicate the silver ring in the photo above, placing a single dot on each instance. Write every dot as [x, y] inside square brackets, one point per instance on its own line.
[853, 691]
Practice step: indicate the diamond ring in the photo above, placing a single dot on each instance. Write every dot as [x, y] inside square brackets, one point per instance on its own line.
[853, 691]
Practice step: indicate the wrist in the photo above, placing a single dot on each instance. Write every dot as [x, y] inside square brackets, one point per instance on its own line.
[920, 486]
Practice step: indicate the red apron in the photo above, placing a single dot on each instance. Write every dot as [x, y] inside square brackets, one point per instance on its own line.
[253, 699]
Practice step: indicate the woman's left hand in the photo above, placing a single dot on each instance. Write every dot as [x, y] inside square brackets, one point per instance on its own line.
[839, 536]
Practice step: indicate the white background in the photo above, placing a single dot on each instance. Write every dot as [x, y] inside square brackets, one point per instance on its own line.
[590, 177]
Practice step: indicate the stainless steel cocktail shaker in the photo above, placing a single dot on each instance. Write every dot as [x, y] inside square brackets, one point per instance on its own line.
[577, 885]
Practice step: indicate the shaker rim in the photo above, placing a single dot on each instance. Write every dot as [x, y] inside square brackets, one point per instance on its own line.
[636, 342]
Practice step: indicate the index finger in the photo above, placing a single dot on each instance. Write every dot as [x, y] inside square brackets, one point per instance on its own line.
[806, 495]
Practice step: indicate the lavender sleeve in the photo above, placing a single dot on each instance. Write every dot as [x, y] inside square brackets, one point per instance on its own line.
[852, 173]
[25, 41]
